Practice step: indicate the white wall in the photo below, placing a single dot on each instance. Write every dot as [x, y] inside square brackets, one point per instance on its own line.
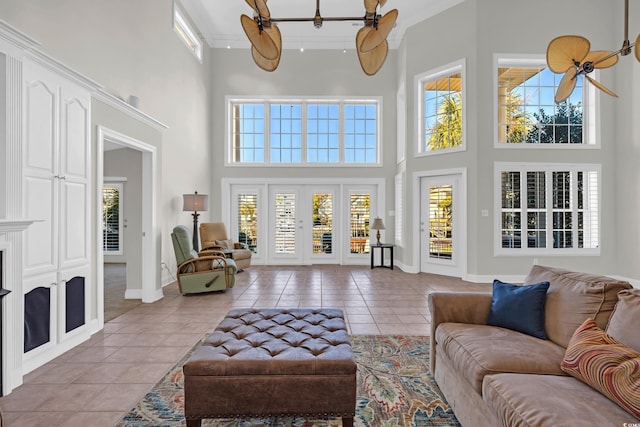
[626, 142]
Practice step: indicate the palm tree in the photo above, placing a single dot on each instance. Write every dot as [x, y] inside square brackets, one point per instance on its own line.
[519, 124]
[447, 131]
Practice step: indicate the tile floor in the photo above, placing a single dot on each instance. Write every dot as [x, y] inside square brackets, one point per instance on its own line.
[97, 382]
[115, 285]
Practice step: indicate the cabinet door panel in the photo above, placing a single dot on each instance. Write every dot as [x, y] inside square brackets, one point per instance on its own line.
[40, 127]
[41, 252]
[40, 320]
[73, 223]
[74, 138]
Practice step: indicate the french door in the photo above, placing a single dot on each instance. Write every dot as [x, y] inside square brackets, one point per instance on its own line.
[441, 225]
[304, 224]
[287, 225]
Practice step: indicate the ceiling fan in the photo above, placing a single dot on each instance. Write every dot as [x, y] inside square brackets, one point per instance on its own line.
[571, 55]
[371, 40]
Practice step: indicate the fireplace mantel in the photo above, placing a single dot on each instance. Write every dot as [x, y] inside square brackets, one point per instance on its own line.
[15, 225]
[9, 225]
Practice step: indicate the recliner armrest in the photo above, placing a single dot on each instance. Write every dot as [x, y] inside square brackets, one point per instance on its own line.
[457, 307]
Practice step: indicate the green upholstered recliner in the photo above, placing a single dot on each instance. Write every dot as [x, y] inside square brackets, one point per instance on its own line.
[204, 272]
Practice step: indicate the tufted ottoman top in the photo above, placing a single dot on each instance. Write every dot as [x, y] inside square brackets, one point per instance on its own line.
[275, 342]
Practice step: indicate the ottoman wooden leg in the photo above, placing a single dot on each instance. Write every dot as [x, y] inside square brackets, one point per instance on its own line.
[347, 421]
[193, 423]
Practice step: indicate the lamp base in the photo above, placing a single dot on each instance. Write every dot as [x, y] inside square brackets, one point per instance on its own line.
[378, 237]
[195, 231]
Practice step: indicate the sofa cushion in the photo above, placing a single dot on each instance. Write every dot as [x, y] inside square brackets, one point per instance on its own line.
[573, 297]
[479, 350]
[549, 401]
[239, 254]
[608, 366]
[520, 308]
[226, 244]
[623, 324]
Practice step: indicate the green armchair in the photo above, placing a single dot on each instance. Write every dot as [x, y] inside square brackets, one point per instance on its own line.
[204, 272]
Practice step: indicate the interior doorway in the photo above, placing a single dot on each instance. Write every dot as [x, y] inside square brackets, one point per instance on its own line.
[136, 165]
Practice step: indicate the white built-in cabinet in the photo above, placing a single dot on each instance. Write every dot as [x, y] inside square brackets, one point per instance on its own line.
[56, 193]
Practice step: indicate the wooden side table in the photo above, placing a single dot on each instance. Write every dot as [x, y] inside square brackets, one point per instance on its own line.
[382, 247]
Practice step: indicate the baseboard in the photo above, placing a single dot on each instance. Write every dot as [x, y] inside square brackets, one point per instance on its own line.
[133, 294]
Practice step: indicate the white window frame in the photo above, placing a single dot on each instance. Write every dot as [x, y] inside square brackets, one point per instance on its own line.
[399, 208]
[186, 33]
[230, 101]
[590, 107]
[458, 66]
[548, 168]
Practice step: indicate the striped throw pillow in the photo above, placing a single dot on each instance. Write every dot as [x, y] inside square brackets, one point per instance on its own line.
[605, 364]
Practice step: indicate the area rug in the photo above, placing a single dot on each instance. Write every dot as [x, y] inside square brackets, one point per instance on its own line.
[395, 389]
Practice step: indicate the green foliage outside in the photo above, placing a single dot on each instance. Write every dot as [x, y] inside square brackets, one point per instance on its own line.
[563, 126]
[447, 131]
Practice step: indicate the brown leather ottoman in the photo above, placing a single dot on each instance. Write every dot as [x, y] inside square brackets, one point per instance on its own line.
[271, 363]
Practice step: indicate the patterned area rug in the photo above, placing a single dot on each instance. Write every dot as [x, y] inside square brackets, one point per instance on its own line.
[395, 388]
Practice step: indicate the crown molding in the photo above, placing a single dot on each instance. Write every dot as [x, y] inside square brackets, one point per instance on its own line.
[124, 107]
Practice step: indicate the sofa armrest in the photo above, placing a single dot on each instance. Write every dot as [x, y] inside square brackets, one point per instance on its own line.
[457, 307]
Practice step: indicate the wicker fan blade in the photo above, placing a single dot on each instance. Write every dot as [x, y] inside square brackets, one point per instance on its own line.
[597, 56]
[564, 51]
[260, 7]
[261, 61]
[370, 61]
[370, 5]
[567, 84]
[601, 86]
[261, 40]
[377, 36]
[382, 3]
[638, 47]
[264, 63]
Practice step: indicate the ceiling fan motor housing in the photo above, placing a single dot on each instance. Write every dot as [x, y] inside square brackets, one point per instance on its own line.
[588, 67]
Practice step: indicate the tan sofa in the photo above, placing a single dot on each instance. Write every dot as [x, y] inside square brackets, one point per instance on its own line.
[493, 376]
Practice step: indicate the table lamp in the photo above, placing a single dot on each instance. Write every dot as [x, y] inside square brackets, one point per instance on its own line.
[378, 225]
[195, 202]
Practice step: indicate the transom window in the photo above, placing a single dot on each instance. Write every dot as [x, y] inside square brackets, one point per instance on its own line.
[548, 208]
[186, 32]
[527, 112]
[310, 132]
[441, 95]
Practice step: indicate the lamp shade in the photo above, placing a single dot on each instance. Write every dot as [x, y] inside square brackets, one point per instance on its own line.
[377, 224]
[195, 202]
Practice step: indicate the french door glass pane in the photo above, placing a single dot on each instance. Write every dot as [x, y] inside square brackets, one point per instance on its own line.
[359, 222]
[248, 220]
[440, 221]
[322, 223]
[285, 223]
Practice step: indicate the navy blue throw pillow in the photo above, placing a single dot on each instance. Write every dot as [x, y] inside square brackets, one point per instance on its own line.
[519, 308]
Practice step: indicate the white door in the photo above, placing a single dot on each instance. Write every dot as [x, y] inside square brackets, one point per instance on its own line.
[441, 226]
[287, 225]
[321, 237]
